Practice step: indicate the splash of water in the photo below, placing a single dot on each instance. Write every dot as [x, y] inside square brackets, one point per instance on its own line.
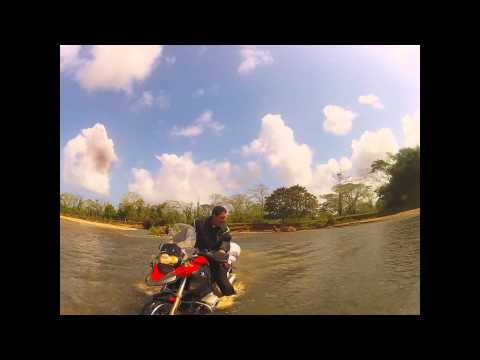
[149, 290]
[226, 302]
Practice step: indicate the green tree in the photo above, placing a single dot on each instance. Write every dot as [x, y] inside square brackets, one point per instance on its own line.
[348, 198]
[240, 204]
[69, 202]
[109, 212]
[218, 199]
[173, 212]
[188, 211]
[403, 172]
[351, 194]
[277, 205]
[157, 214]
[130, 206]
[259, 194]
[205, 210]
[294, 201]
[330, 203]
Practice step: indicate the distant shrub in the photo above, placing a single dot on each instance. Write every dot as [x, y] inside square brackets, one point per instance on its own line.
[348, 218]
[147, 223]
[330, 220]
[157, 230]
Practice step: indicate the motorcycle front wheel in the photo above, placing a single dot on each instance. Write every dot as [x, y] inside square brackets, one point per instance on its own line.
[157, 308]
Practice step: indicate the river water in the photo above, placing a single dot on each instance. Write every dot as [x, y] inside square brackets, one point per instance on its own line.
[372, 268]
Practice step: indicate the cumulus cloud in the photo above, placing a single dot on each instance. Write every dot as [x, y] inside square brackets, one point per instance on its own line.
[69, 57]
[338, 120]
[148, 100]
[411, 129]
[324, 175]
[181, 179]
[277, 144]
[253, 57]
[88, 159]
[241, 177]
[117, 67]
[254, 169]
[204, 121]
[372, 100]
[372, 146]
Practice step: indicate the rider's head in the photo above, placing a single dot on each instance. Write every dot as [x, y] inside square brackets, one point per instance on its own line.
[219, 215]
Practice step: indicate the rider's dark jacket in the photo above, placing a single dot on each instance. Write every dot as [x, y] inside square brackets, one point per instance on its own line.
[211, 237]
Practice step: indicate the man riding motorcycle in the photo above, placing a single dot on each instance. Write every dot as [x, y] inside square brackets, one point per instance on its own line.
[212, 235]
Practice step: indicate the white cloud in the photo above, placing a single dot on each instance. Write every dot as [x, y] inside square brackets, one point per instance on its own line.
[69, 56]
[338, 120]
[372, 146]
[324, 175]
[181, 179]
[277, 144]
[189, 131]
[204, 121]
[372, 100]
[241, 177]
[88, 159]
[117, 67]
[147, 100]
[293, 162]
[369, 147]
[411, 129]
[198, 93]
[254, 169]
[253, 57]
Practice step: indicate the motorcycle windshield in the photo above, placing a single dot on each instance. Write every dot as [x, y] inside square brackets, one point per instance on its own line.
[184, 235]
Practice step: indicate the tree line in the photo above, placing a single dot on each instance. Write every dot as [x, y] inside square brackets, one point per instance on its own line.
[400, 192]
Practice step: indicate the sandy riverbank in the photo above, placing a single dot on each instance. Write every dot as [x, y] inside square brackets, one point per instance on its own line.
[104, 225]
[402, 214]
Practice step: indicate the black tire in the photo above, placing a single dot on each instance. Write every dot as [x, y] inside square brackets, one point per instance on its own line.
[157, 308]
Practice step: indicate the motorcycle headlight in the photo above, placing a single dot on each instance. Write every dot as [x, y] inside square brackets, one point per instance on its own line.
[168, 259]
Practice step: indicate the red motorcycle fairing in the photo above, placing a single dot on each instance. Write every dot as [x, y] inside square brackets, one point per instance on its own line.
[156, 275]
[159, 271]
[189, 267]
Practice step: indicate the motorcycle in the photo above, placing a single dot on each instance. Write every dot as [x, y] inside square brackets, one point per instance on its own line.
[183, 276]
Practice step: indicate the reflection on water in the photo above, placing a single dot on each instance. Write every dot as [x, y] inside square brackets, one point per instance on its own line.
[366, 269]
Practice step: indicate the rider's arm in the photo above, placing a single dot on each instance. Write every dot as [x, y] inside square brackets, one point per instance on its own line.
[225, 238]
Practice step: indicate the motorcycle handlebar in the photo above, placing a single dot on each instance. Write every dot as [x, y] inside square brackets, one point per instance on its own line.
[213, 256]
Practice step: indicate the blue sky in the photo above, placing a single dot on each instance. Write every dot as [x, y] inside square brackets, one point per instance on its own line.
[294, 82]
